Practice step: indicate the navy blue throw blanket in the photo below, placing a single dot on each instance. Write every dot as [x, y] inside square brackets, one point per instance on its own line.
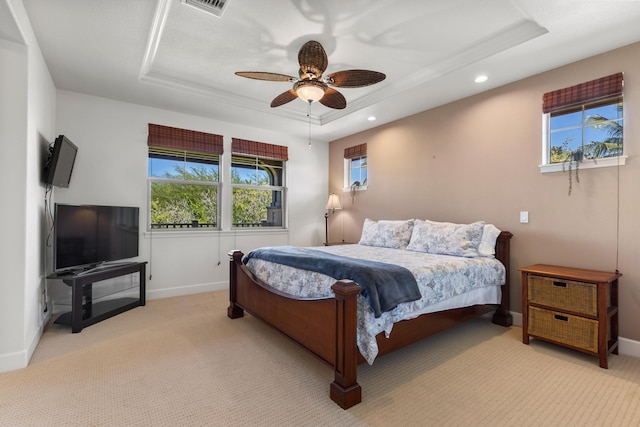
[383, 285]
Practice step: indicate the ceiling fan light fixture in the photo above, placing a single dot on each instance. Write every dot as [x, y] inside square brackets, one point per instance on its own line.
[310, 90]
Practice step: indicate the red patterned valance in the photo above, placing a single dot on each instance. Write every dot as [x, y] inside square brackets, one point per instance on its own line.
[183, 139]
[602, 88]
[261, 149]
[355, 151]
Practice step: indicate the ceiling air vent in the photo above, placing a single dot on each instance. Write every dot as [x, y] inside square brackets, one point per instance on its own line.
[214, 7]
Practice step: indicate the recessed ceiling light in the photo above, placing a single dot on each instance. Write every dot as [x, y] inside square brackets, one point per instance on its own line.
[371, 118]
[481, 79]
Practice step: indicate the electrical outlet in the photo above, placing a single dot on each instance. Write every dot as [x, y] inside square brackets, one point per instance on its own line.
[135, 278]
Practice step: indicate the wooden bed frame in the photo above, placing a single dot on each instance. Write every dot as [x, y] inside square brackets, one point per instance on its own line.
[327, 327]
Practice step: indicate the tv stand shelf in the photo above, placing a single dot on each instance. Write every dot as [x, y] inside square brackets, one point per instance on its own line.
[89, 313]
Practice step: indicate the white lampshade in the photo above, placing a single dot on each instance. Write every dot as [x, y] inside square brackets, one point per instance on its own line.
[310, 92]
[333, 202]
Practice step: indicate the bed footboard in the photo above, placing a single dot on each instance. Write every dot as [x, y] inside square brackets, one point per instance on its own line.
[344, 389]
[327, 327]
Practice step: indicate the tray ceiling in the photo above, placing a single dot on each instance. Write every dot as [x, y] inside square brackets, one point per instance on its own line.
[168, 54]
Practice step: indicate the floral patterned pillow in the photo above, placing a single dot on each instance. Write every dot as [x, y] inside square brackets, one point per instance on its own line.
[446, 238]
[487, 246]
[386, 233]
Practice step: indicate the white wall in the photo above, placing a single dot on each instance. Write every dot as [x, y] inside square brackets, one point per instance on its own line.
[40, 127]
[111, 168]
[26, 124]
[13, 125]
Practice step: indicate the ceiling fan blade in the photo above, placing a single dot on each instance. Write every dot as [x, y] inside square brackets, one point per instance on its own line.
[259, 75]
[355, 78]
[333, 99]
[284, 97]
[312, 59]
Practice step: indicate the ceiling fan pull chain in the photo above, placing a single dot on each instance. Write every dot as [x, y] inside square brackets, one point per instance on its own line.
[309, 119]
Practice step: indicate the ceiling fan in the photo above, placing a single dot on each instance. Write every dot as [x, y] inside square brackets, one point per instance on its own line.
[310, 85]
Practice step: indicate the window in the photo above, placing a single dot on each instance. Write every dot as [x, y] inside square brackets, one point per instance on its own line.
[183, 176]
[257, 182]
[355, 166]
[584, 123]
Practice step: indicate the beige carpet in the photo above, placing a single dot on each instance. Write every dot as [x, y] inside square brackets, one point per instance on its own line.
[182, 362]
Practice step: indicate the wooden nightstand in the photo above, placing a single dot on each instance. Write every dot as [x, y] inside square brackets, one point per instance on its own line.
[573, 307]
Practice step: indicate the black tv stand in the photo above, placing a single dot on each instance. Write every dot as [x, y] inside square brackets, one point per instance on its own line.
[89, 313]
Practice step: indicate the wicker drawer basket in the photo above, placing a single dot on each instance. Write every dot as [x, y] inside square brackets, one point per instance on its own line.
[565, 328]
[569, 295]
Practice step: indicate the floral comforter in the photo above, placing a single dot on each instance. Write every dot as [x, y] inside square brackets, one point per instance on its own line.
[439, 278]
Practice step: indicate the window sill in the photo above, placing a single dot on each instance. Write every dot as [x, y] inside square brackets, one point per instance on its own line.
[163, 234]
[358, 188]
[585, 164]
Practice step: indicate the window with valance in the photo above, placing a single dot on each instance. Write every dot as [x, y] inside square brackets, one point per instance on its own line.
[584, 122]
[183, 175]
[355, 166]
[258, 183]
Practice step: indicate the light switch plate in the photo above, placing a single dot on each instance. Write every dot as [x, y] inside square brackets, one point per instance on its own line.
[524, 217]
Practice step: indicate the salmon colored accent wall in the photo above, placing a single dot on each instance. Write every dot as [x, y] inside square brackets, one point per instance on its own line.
[477, 159]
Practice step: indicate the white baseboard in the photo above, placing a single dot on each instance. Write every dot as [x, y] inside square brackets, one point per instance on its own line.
[186, 290]
[517, 319]
[154, 293]
[629, 347]
[13, 361]
[20, 359]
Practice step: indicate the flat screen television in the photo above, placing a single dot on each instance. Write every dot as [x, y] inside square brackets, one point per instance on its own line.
[89, 236]
[59, 165]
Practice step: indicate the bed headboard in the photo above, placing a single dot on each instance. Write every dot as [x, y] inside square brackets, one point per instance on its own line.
[502, 315]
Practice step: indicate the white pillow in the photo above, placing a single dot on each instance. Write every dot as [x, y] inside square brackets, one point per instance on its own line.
[487, 246]
[386, 233]
[446, 238]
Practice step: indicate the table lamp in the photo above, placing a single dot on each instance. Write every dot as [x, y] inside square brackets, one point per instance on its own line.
[332, 204]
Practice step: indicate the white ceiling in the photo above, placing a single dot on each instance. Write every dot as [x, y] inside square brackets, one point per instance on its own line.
[171, 55]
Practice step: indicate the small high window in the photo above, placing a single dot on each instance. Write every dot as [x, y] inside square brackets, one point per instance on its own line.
[584, 123]
[355, 166]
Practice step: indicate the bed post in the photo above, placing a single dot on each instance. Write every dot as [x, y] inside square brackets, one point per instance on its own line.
[345, 390]
[234, 311]
[502, 316]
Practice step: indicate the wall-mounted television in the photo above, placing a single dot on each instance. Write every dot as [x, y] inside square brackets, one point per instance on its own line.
[87, 236]
[59, 165]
